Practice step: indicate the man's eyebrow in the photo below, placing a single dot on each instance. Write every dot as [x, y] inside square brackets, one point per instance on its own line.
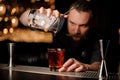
[79, 24]
[83, 24]
[71, 21]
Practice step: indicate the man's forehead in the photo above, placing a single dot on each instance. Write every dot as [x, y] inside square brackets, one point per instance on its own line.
[79, 24]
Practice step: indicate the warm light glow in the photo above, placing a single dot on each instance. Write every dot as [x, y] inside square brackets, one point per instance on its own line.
[2, 9]
[11, 30]
[6, 19]
[13, 11]
[5, 31]
[14, 21]
[1, 19]
[52, 6]
[1, 0]
[32, 1]
[21, 9]
[51, 1]
[46, 0]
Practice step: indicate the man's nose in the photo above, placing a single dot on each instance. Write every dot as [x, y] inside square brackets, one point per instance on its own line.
[77, 29]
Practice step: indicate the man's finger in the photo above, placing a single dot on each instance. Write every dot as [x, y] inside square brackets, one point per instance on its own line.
[68, 63]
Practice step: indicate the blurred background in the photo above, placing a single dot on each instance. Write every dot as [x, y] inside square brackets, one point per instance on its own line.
[107, 21]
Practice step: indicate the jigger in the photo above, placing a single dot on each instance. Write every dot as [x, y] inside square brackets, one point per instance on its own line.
[10, 46]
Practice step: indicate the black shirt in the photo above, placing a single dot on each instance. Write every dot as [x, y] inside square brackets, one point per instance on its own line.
[86, 51]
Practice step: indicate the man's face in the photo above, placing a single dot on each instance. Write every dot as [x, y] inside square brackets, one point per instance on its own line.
[78, 24]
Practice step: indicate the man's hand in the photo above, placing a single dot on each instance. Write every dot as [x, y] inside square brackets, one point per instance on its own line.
[50, 12]
[74, 66]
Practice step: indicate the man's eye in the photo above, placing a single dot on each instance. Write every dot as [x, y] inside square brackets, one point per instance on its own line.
[72, 23]
[83, 25]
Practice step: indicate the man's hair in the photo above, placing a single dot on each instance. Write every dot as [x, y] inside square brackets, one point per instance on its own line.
[85, 6]
[82, 5]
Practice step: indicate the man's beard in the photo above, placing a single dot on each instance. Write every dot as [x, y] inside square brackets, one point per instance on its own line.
[76, 37]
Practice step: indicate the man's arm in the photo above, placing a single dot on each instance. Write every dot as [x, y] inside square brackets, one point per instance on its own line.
[93, 66]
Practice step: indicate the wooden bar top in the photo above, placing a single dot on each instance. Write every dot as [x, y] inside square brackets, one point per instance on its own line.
[46, 71]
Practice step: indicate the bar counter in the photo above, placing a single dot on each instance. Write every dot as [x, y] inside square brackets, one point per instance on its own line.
[20, 72]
